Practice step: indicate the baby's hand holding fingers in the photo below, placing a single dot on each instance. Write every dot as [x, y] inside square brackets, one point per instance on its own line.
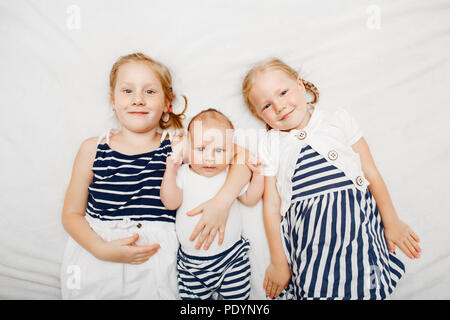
[255, 164]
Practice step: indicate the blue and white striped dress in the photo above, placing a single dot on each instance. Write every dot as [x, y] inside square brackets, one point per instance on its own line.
[333, 236]
[124, 200]
[128, 186]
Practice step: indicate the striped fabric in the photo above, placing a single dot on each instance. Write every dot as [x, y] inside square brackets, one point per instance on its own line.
[334, 238]
[226, 274]
[128, 186]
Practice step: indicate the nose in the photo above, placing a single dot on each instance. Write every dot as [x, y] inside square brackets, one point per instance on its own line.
[279, 106]
[138, 100]
[208, 156]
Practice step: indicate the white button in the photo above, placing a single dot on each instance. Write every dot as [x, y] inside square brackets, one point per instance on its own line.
[332, 155]
[359, 180]
[301, 135]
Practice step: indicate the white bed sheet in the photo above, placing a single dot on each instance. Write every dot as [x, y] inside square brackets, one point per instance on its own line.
[387, 62]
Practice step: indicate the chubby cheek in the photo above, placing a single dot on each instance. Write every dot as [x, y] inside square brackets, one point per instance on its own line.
[269, 118]
[121, 101]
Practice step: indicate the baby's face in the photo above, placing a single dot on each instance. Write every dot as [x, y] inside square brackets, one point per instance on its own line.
[279, 100]
[212, 148]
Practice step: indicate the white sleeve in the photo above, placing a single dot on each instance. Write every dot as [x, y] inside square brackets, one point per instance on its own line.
[351, 129]
[181, 174]
[246, 138]
[268, 154]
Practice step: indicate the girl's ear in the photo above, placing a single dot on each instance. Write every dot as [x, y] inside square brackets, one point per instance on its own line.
[166, 106]
[111, 97]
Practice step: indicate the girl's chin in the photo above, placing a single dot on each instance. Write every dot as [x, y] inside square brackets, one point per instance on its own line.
[140, 127]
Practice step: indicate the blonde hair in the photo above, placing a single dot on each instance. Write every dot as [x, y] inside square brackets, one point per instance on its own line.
[164, 77]
[269, 65]
[210, 113]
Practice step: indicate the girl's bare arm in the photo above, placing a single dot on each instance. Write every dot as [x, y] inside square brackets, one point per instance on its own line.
[396, 231]
[74, 222]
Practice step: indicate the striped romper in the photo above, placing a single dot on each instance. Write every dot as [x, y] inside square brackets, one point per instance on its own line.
[333, 236]
[223, 276]
[124, 199]
[222, 271]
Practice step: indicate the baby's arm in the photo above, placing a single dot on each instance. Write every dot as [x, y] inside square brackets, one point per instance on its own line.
[278, 272]
[74, 222]
[171, 194]
[396, 231]
[255, 188]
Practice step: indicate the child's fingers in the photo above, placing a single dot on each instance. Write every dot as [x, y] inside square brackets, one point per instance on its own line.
[195, 211]
[210, 238]
[411, 248]
[147, 250]
[415, 246]
[265, 282]
[203, 236]
[406, 249]
[127, 241]
[221, 234]
[391, 246]
[269, 288]
[273, 290]
[198, 228]
[143, 249]
[278, 291]
[415, 236]
[139, 261]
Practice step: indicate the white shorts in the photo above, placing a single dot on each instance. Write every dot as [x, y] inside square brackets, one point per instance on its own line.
[85, 277]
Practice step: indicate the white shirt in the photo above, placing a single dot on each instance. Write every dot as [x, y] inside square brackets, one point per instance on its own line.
[330, 133]
[196, 190]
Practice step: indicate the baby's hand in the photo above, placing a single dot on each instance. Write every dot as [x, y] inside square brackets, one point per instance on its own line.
[173, 162]
[400, 234]
[255, 164]
[276, 279]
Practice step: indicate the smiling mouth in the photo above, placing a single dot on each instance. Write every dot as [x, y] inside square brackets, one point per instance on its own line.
[138, 112]
[287, 115]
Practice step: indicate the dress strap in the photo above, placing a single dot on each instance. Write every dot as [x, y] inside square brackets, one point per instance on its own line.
[105, 134]
[165, 133]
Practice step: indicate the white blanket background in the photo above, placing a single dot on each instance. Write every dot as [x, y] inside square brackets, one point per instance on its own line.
[387, 62]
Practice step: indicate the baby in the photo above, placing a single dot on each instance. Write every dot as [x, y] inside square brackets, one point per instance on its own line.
[222, 271]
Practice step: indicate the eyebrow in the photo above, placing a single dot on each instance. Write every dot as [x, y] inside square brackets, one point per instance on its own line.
[149, 84]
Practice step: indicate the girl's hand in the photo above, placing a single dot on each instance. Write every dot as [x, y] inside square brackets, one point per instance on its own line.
[173, 162]
[125, 251]
[213, 220]
[399, 234]
[276, 279]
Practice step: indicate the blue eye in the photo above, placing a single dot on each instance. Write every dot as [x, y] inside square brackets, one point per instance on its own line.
[149, 91]
[200, 149]
[127, 91]
[219, 150]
